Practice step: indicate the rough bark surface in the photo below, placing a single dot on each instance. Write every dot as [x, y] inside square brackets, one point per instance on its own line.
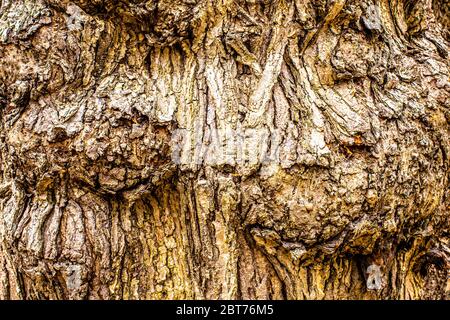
[203, 149]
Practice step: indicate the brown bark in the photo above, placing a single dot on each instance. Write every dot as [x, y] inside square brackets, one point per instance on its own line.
[254, 149]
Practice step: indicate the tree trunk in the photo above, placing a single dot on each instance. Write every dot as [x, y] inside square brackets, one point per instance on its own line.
[234, 149]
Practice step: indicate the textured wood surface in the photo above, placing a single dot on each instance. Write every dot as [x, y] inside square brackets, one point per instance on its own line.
[234, 149]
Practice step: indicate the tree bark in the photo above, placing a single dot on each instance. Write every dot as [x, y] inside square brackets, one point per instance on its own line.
[233, 149]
